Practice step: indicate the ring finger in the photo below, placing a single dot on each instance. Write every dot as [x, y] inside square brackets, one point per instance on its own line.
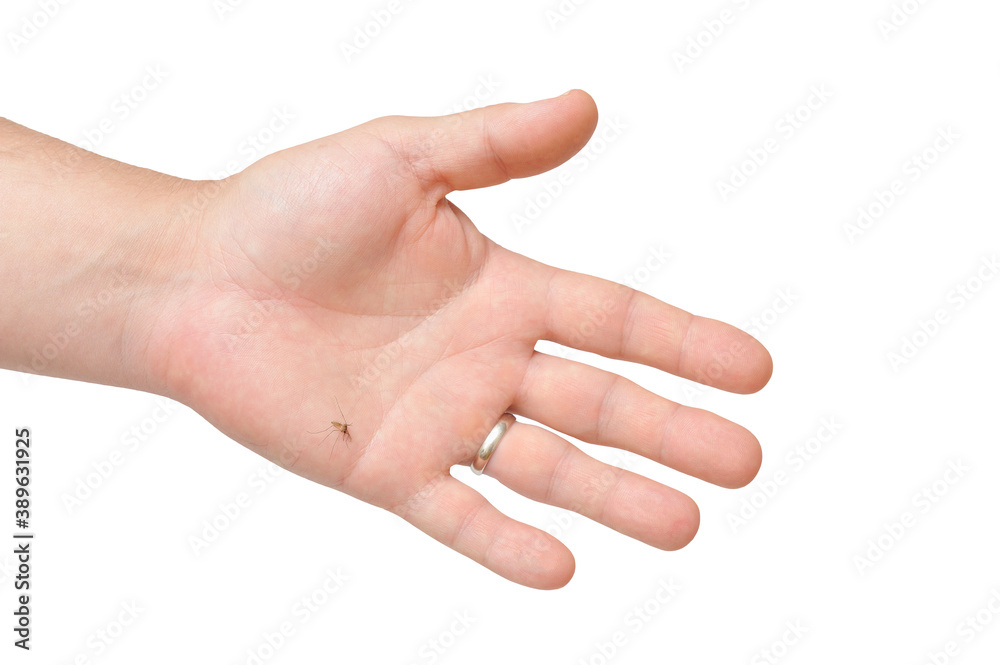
[544, 467]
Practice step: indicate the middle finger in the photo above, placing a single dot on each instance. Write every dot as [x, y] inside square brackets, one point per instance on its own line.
[603, 408]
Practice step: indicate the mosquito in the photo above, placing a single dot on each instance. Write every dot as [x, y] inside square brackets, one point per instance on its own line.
[340, 427]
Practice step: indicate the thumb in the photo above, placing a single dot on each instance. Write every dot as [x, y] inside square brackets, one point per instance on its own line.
[491, 145]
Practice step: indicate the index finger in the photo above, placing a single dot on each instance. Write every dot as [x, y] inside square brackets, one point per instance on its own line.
[615, 321]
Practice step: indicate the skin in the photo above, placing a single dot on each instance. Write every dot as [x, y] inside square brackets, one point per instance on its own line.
[338, 271]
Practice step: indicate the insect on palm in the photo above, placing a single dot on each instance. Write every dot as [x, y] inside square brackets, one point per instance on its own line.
[341, 427]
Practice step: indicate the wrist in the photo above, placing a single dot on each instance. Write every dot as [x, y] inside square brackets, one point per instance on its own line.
[154, 270]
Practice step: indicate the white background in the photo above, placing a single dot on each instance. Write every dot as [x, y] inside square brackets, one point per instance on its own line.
[803, 558]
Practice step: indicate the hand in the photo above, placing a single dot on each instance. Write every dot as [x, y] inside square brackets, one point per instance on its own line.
[337, 274]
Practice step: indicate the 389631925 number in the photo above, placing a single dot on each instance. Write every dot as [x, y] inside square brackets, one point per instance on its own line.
[22, 474]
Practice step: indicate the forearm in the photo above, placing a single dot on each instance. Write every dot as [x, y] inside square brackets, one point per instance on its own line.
[88, 246]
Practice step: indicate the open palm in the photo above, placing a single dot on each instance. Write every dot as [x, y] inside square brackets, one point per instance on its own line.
[336, 276]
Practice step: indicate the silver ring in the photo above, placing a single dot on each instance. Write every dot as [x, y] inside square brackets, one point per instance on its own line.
[492, 441]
